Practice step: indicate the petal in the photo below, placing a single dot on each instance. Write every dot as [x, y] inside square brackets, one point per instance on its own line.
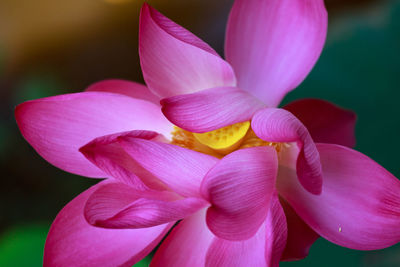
[279, 125]
[240, 188]
[58, 126]
[186, 245]
[262, 249]
[326, 122]
[210, 109]
[73, 242]
[272, 45]
[300, 236]
[359, 204]
[181, 169]
[174, 61]
[107, 154]
[132, 89]
[117, 205]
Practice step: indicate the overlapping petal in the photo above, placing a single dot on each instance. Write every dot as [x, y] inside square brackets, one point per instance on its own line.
[359, 204]
[117, 205]
[181, 169]
[279, 125]
[174, 61]
[326, 122]
[58, 126]
[210, 109]
[123, 87]
[300, 236]
[240, 187]
[72, 241]
[272, 45]
[107, 154]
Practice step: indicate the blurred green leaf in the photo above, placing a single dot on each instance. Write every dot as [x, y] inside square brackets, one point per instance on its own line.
[23, 246]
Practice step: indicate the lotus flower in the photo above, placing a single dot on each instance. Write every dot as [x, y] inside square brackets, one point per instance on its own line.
[252, 184]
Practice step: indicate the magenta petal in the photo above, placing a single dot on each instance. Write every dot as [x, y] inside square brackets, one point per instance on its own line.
[181, 169]
[300, 236]
[279, 125]
[359, 206]
[240, 187]
[210, 109]
[58, 126]
[132, 89]
[272, 45]
[186, 245]
[174, 61]
[73, 242]
[326, 122]
[118, 205]
[107, 154]
[262, 249]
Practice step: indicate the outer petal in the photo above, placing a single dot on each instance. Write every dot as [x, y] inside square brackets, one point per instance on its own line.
[210, 109]
[300, 236]
[118, 205]
[278, 125]
[182, 170]
[174, 61]
[326, 122]
[262, 249]
[132, 89]
[240, 187]
[107, 154]
[58, 126]
[359, 207]
[186, 245]
[73, 242]
[272, 45]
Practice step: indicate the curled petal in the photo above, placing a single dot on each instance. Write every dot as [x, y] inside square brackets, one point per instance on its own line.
[58, 126]
[107, 154]
[210, 109]
[132, 89]
[74, 242]
[174, 61]
[359, 206]
[117, 205]
[181, 169]
[326, 122]
[279, 125]
[272, 45]
[240, 188]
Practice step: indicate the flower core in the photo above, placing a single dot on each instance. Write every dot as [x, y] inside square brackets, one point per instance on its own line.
[222, 141]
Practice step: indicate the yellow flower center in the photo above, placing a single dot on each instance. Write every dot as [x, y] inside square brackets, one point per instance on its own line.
[222, 141]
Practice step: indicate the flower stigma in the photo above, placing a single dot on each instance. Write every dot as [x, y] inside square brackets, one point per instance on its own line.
[223, 141]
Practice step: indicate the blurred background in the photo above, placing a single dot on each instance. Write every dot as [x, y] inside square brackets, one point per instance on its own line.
[50, 47]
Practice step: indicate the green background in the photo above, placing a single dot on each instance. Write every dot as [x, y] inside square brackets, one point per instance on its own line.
[358, 70]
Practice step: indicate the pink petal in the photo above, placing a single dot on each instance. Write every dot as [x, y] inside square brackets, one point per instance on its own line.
[326, 122]
[210, 109]
[73, 242]
[58, 126]
[359, 204]
[300, 236]
[262, 249]
[174, 61]
[186, 245]
[132, 89]
[118, 205]
[107, 154]
[181, 169]
[272, 45]
[279, 125]
[240, 188]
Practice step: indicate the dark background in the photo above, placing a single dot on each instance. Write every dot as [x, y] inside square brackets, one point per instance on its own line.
[49, 47]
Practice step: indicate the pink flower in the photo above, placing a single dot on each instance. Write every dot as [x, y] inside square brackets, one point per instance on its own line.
[253, 184]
